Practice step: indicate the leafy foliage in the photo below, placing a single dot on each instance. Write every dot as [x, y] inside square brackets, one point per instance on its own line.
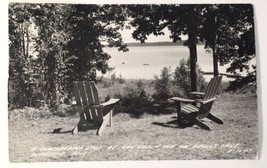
[162, 84]
[233, 23]
[227, 29]
[243, 82]
[51, 45]
[179, 19]
[176, 83]
[90, 25]
[21, 64]
[182, 78]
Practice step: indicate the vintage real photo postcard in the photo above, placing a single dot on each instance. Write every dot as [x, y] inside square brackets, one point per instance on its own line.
[131, 82]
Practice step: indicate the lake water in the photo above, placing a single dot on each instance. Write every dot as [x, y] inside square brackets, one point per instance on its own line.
[143, 62]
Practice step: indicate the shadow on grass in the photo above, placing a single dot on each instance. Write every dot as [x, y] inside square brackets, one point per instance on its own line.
[136, 111]
[173, 124]
[58, 131]
[133, 108]
[81, 128]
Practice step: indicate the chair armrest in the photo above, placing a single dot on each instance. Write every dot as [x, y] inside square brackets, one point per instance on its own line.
[197, 93]
[207, 101]
[74, 103]
[183, 99]
[110, 102]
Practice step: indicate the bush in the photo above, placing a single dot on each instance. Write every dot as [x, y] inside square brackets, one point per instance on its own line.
[64, 110]
[29, 113]
[177, 83]
[244, 84]
[108, 82]
[182, 79]
[162, 84]
[134, 95]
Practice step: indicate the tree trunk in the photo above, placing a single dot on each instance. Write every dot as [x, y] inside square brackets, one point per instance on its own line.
[192, 28]
[214, 51]
[215, 62]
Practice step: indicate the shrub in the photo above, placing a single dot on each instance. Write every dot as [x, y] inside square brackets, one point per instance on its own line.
[162, 84]
[135, 95]
[182, 79]
[29, 113]
[109, 82]
[64, 110]
[132, 95]
[244, 84]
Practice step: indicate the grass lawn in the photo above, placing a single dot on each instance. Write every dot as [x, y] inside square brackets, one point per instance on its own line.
[150, 137]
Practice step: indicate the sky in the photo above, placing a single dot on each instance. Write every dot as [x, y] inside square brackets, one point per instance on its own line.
[127, 36]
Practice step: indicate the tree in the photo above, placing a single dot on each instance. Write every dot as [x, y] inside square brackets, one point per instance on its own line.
[89, 26]
[21, 77]
[66, 44]
[50, 47]
[192, 43]
[179, 19]
[208, 32]
[228, 30]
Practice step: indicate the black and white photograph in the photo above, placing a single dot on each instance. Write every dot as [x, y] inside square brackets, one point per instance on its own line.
[132, 82]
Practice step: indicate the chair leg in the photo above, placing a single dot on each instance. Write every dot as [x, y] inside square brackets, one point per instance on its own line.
[196, 121]
[75, 130]
[215, 119]
[110, 118]
[179, 111]
[107, 120]
[102, 127]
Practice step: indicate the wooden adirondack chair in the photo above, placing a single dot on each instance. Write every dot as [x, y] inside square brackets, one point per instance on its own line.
[92, 113]
[197, 109]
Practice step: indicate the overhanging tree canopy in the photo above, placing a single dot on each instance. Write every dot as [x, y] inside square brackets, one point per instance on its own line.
[179, 19]
[67, 45]
[227, 29]
[51, 45]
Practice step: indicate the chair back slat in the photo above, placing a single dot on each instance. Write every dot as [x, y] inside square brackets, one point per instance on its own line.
[204, 110]
[89, 92]
[212, 88]
[97, 114]
[88, 114]
[209, 90]
[217, 85]
[83, 93]
[86, 93]
[94, 114]
[95, 93]
[77, 94]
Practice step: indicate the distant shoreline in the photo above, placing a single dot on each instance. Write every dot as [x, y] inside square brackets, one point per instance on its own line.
[179, 43]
